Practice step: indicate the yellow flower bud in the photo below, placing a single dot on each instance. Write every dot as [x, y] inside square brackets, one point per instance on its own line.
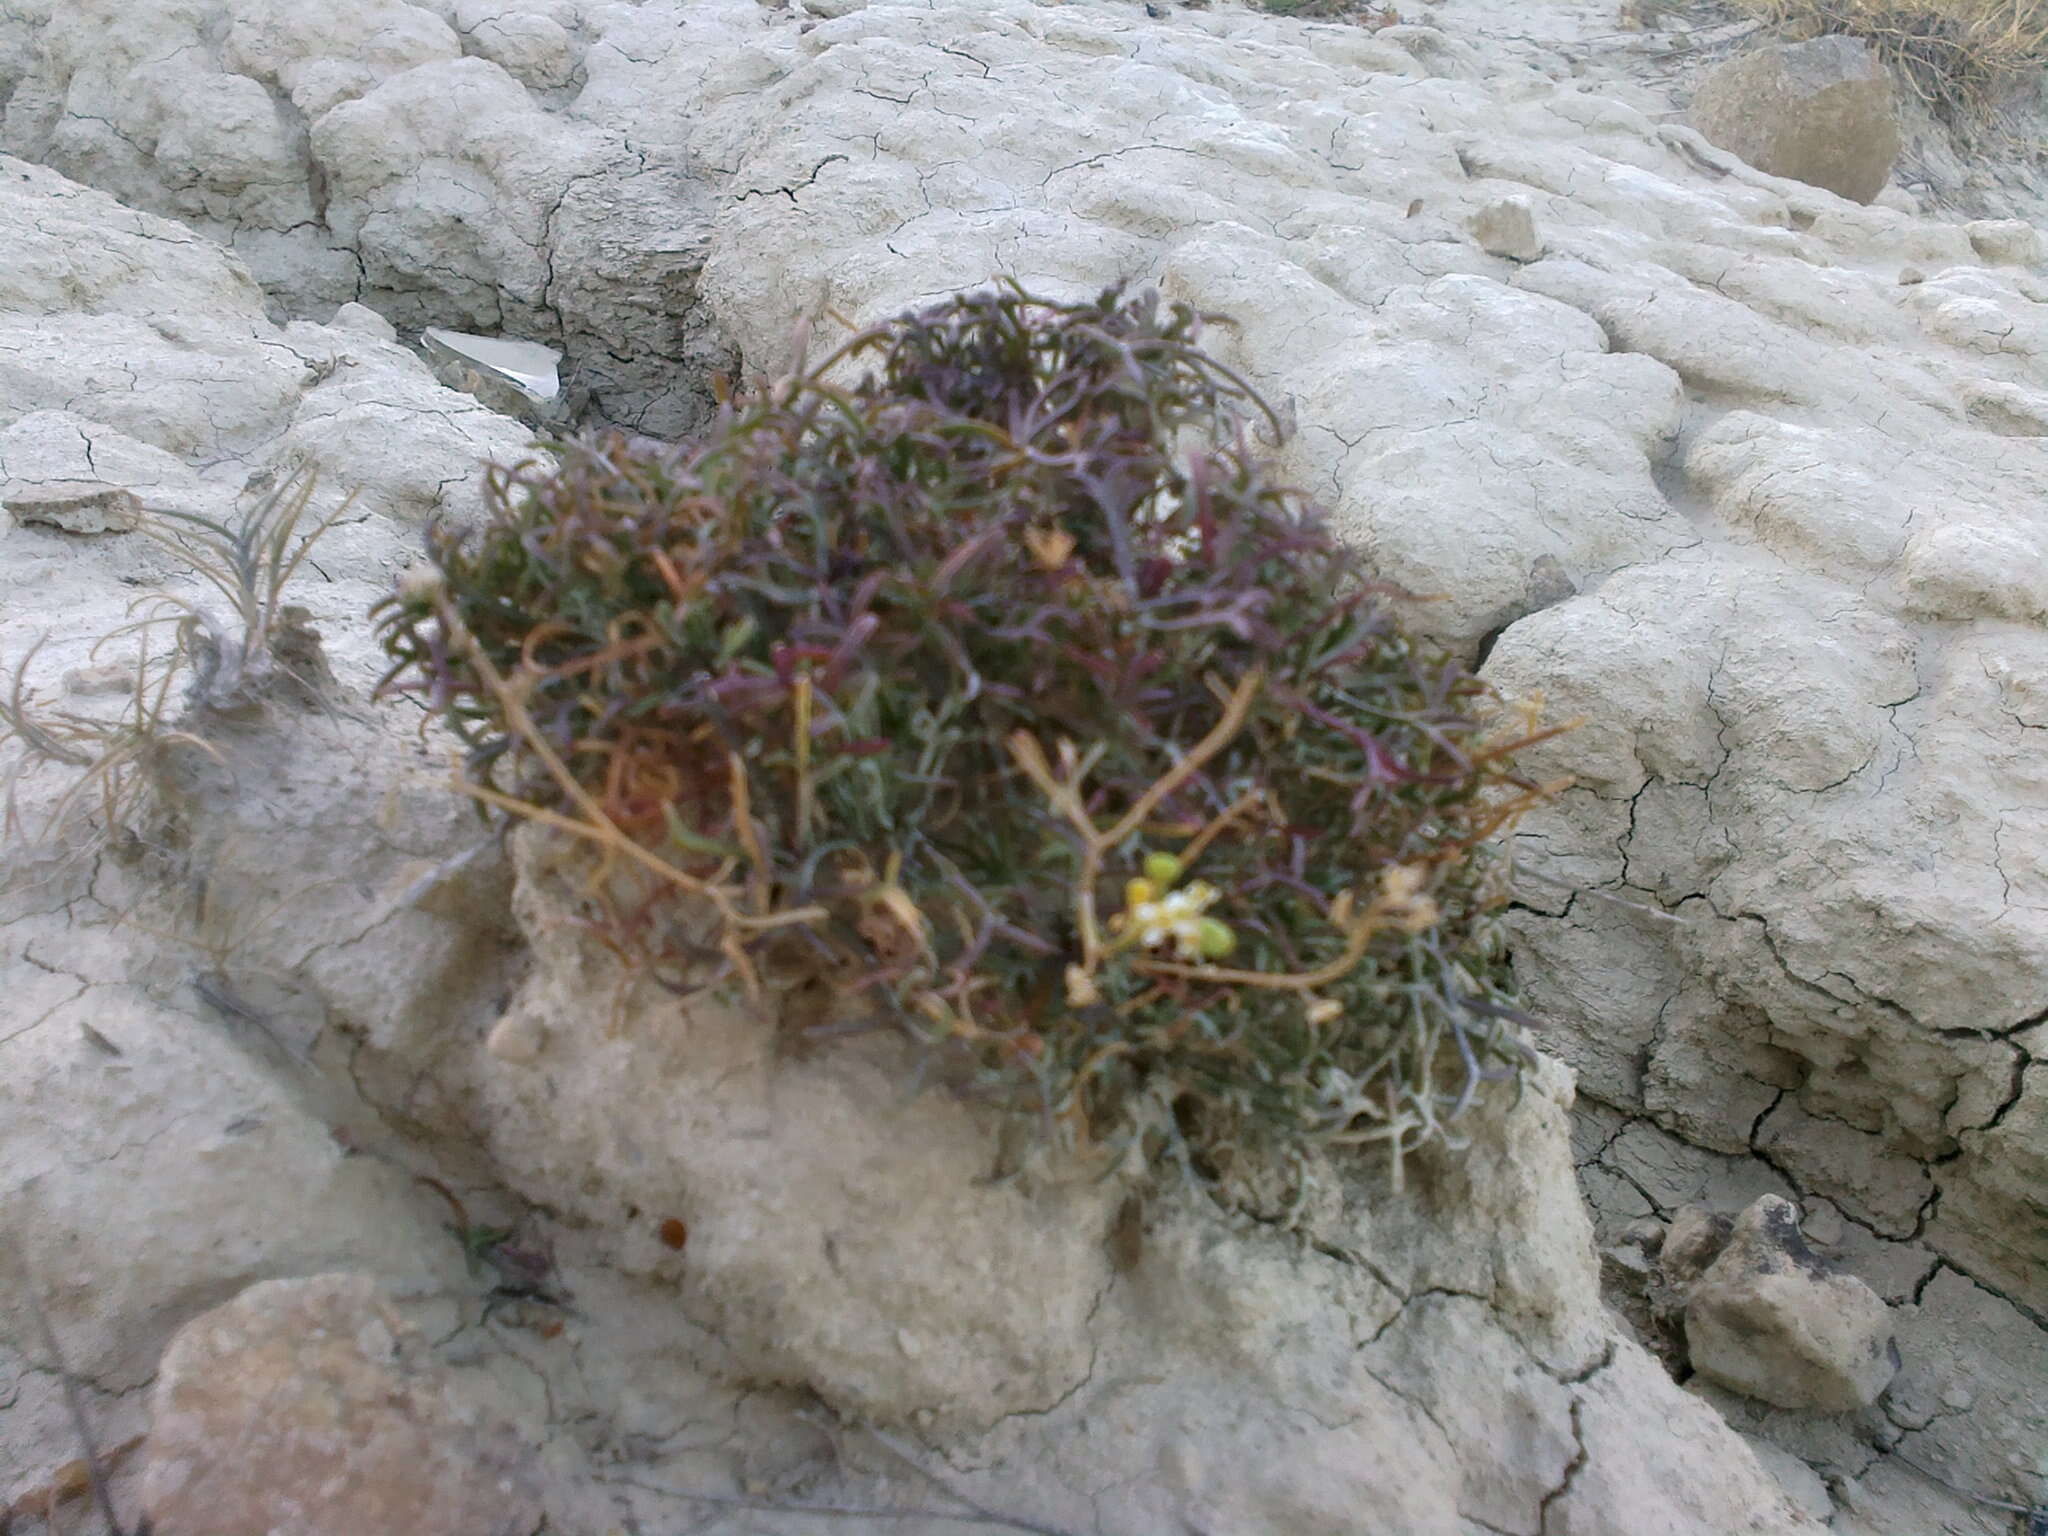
[1139, 892]
[1162, 869]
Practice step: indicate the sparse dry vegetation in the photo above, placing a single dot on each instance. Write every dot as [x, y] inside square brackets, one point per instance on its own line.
[227, 663]
[1364, 12]
[1964, 58]
[1007, 698]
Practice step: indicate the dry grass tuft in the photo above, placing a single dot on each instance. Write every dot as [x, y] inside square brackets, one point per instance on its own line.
[1964, 58]
[227, 663]
[1366, 13]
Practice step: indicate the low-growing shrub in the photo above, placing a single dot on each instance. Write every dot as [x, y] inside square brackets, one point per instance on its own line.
[1007, 695]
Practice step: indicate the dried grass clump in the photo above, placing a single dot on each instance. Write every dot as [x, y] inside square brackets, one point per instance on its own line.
[1374, 18]
[1006, 698]
[227, 663]
[1964, 58]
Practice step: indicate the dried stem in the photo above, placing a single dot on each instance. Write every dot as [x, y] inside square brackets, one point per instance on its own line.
[596, 826]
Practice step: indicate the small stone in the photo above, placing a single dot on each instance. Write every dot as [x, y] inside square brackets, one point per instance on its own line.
[1803, 1486]
[1823, 1224]
[535, 50]
[1180, 1467]
[364, 321]
[1769, 1320]
[1958, 1399]
[1549, 583]
[1626, 1259]
[519, 1037]
[1693, 1241]
[1849, 1493]
[1911, 277]
[1645, 1232]
[309, 1407]
[2005, 242]
[75, 506]
[97, 682]
[1818, 112]
[1910, 1403]
[1507, 227]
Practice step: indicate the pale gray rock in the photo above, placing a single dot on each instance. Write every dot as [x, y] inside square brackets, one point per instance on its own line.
[218, 1157]
[1802, 1485]
[432, 441]
[1968, 1395]
[1508, 228]
[416, 157]
[444, 177]
[1695, 1239]
[1769, 1320]
[1879, 235]
[1483, 1272]
[1819, 112]
[2006, 242]
[2011, 410]
[99, 298]
[323, 56]
[1662, 793]
[1706, 473]
[808, 1265]
[1990, 1219]
[534, 41]
[175, 386]
[74, 506]
[360, 317]
[1629, 1482]
[1458, 1354]
[1769, 723]
[144, 1091]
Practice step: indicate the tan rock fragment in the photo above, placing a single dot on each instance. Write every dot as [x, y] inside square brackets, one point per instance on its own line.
[309, 1408]
[75, 506]
[2005, 242]
[1507, 227]
[1770, 1321]
[1818, 112]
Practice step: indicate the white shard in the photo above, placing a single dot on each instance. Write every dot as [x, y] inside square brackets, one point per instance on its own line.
[527, 366]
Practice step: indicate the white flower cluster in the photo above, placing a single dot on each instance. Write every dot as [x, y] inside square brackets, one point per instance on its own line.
[1176, 919]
